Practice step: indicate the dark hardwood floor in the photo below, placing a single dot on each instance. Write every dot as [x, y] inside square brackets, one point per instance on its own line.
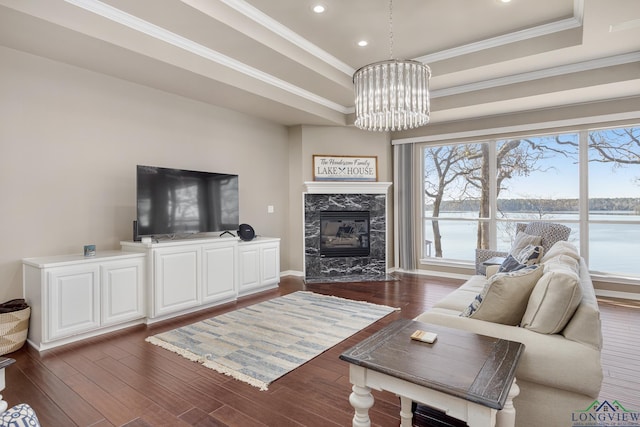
[119, 379]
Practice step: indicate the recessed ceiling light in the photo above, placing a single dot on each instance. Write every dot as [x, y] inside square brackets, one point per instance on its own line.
[319, 8]
[505, 1]
[363, 43]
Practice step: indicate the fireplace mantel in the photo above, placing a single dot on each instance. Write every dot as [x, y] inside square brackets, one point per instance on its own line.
[347, 196]
[347, 187]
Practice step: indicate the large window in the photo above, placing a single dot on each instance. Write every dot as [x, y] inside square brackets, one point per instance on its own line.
[475, 193]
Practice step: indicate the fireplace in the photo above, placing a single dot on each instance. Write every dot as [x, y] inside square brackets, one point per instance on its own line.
[344, 233]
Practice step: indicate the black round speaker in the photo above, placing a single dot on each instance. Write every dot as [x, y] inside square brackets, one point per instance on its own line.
[246, 232]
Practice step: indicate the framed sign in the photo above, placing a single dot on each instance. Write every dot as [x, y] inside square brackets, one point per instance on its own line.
[345, 168]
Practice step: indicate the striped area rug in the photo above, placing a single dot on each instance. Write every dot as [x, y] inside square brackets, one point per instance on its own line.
[260, 343]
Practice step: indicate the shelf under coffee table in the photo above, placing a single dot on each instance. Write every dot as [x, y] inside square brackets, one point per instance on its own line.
[468, 376]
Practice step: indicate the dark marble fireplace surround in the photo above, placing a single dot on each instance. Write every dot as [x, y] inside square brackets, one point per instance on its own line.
[350, 268]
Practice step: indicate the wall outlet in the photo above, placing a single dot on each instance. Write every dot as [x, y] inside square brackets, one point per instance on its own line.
[270, 209]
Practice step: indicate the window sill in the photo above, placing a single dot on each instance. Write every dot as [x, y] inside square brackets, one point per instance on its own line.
[610, 278]
[467, 265]
[447, 263]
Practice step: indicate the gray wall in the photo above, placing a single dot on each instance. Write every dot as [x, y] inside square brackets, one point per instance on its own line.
[70, 140]
[305, 141]
[69, 143]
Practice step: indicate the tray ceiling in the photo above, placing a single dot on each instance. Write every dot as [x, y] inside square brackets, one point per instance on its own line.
[279, 60]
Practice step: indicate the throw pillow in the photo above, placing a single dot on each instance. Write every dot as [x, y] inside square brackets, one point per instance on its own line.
[523, 240]
[491, 270]
[505, 296]
[549, 232]
[554, 299]
[19, 415]
[563, 262]
[562, 248]
[510, 264]
[530, 255]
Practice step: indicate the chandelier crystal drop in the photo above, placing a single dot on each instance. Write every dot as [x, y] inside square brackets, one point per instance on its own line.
[392, 95]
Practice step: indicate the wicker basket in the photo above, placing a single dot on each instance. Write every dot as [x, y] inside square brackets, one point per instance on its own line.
[13, 330]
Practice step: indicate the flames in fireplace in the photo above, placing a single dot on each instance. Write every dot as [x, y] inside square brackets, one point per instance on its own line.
[344, 233]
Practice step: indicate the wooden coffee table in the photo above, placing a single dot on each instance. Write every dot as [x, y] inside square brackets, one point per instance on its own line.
[468, 376]
[4, 362]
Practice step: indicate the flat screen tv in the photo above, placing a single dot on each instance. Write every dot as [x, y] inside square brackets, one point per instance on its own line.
[175, 201]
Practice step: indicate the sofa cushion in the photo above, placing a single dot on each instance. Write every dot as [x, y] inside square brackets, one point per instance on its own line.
[475, 284]
[523, 240]
[457, 300]
[585, 326]
[563, 262]
[504, 297]
[554, 298]
[561, 248]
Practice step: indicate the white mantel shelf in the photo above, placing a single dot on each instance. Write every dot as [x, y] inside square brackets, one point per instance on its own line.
[347, 187]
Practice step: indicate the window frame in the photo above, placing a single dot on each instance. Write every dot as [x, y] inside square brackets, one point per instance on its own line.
[583, 222]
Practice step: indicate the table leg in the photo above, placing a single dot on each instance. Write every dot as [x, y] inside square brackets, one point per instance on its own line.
[361, 399]
[3, 404]
[507, 416]
[406, 415]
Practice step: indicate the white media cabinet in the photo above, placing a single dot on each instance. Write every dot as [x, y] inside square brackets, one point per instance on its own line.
[73, 297]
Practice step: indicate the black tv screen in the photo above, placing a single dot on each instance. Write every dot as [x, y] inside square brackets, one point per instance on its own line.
[175, 201]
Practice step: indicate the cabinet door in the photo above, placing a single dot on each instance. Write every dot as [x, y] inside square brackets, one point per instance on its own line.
[270, 263]
[177, 279]
[74, 300]
[122, 291]
[249, 260]
[219, 273]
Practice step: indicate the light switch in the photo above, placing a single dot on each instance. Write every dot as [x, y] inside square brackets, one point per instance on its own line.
[270, 209]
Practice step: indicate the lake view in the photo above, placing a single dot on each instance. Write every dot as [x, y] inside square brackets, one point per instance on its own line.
[613, 247]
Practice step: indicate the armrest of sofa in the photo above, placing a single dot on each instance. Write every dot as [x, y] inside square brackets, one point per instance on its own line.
[483, 255]
[551, 360]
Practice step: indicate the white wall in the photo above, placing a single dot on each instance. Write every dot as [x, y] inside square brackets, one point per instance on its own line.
[69, 143]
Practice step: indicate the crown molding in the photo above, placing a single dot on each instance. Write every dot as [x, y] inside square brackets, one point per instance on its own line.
[277, 28]
[529, 127]
[539, 74]
[271, 24]
[529, 33]
[116, 15]
[346, 187]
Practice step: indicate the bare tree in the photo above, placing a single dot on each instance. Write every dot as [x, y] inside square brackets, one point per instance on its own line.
[442, 159]
[467, 166]
[461, 172]
[515, 157]
[620, 147]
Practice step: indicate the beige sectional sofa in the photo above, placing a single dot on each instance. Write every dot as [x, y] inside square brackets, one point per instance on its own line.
[556, 317]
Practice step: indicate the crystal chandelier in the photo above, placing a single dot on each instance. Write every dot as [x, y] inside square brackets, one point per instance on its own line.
[392, 95]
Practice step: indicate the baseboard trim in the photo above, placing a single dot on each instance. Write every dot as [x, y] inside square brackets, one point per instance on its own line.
[434, 273]
[291, 273]
[617, 294]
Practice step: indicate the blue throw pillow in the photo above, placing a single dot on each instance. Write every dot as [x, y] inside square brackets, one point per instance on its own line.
[510, 264]
[530, 255]
[19, 416]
